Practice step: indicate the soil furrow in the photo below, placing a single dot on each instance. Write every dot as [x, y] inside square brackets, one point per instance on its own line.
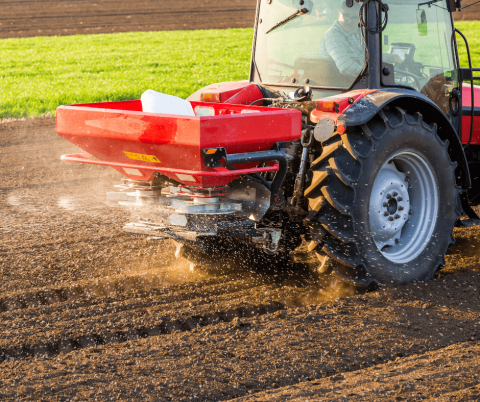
[235, 357]
[34, 325]
[123, 290]
[443, 375]
[466, 394]
[160, 327]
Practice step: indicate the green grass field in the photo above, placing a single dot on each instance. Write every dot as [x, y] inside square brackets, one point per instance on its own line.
[39, 74]
[471, 30]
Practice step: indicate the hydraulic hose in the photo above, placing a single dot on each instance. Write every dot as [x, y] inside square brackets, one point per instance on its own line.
[472, 88]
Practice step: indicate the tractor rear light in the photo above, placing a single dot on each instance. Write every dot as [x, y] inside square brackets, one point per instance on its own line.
[204, 111]
[341, 129]
[214, 157]
[327, 106]
[214, 97]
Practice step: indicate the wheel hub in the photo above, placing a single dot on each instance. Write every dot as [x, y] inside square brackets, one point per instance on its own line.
[392, 206]
[403, 210]
[389, 206]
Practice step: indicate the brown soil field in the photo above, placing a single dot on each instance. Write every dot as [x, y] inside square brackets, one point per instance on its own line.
[88, 312]
[24, 18]
[470, 11]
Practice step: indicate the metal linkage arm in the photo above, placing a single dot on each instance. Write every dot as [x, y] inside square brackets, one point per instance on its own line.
[217, 157]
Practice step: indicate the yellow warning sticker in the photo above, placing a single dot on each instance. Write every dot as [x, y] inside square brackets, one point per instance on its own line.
[142, 157]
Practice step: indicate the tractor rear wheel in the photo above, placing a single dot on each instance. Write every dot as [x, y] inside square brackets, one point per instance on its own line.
[383, 201]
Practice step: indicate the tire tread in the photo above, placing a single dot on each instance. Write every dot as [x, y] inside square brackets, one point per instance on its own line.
[336, 172]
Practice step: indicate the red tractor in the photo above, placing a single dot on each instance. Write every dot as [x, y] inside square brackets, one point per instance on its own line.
[354, 134]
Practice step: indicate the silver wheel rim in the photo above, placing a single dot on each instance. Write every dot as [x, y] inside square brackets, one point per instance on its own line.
[403, 207]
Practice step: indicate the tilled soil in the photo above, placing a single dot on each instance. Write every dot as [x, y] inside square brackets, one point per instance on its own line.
[88, 312]
[23, 18]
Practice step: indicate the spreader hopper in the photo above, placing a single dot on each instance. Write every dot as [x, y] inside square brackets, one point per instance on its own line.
[138, 144]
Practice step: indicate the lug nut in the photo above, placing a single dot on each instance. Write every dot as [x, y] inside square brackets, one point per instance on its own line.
[389, 196]
[386, 213]
[397, 216]
[395, 194]
[410, 212]
[390, 219]
[400, 208]
[406, 178]
[385, 204]
[399, 199]
[397, 241]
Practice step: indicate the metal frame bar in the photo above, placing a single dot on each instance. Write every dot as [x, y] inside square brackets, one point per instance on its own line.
[86, 158]
[473, 77]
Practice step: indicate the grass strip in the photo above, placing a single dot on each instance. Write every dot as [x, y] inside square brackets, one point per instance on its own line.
[38, 74]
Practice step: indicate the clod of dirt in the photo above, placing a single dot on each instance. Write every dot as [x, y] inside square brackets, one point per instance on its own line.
[237, 323]
[280, 314]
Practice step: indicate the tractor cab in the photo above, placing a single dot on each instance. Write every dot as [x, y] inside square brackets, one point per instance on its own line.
[302, 42]
[325, 44]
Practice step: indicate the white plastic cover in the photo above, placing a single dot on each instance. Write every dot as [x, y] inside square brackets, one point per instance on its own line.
[156, 102]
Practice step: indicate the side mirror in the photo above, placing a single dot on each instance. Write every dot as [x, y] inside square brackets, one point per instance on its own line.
[422, 23]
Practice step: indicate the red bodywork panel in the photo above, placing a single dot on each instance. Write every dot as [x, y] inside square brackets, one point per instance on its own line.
[466, 118]
[334, 106]
[121, 135]
[235, 93]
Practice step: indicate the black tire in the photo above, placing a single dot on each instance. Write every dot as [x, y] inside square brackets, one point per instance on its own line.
[344, 195]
